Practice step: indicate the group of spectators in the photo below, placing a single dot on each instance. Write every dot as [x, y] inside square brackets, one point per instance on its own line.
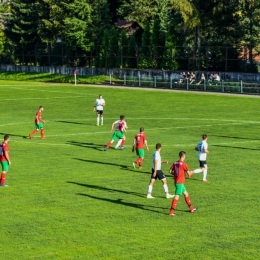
[191, 77]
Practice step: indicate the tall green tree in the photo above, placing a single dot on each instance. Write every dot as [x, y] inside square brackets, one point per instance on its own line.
[76, 24]
[131, 53]
[114, 6]
[249, 15]
[122, 50]
[157, 43]
[21, 30]
[67, 21]
[2, 41]
[22, 25]
[113, 48]
[146, 49]
[101, 20]
[102, 51]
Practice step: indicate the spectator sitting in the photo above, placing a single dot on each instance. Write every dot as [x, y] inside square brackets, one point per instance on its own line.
[182, 77]
[192, 77]
[216, 77]
[202, 78]
[211, 78]
[188, 75]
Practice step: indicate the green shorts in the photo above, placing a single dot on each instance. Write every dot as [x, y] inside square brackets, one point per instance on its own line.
[117, 134]
[140, 152]
[5, 166]
[39, 126]
[179, 189]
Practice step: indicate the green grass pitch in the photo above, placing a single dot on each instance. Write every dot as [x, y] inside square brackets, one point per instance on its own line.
[68, 199]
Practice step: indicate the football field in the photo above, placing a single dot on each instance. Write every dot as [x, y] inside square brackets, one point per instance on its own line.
[69, 199]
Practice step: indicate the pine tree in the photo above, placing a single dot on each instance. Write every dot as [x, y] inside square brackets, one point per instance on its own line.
[250, 25]
[145, 52]
[112, 48]
[157, 43]
[122, 50]
[102, 53]
[21, 29]
[2, 41]
[131, 53]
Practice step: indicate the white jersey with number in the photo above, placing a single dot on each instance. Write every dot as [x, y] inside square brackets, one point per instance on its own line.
[202, 146]
[157, 156]
[99, 103]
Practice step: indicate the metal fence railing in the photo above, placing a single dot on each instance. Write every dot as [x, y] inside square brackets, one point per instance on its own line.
[174, 83]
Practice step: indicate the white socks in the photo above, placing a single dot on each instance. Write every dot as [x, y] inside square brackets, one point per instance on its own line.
[165, 186]
[150, 188]
[197, 171]
[205, 175]
[118, 143]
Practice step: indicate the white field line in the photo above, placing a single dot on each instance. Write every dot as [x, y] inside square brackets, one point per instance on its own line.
[134, 130]
[15, 99]
[233, 122]
[52, 91]
[165, 145]
[147, 129]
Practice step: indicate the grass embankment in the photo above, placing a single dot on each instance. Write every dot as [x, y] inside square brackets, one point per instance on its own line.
[52, 78]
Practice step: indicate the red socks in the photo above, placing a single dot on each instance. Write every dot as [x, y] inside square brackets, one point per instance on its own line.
[188, 203]
[33, 133]
[108, 145]
[174, 203]
[42, 133]
[139, 161]
[3, 178]
[123, 143]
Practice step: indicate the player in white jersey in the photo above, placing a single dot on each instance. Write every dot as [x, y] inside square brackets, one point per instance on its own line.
[98, 106]
[202, 148]
[157, 173]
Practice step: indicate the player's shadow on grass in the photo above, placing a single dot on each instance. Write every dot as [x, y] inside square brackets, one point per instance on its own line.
[236, 147]
[23, 136]
[96, 187]
[194, 179]
[123, 167]
[99, 147]
[235, 137]
[121, 202]
[69, 122]
[99, 162]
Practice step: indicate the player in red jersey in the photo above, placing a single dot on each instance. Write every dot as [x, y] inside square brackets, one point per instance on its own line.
[138, 144]
[5, 159]
[121, 127]
[178, 170]
[38, 123]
